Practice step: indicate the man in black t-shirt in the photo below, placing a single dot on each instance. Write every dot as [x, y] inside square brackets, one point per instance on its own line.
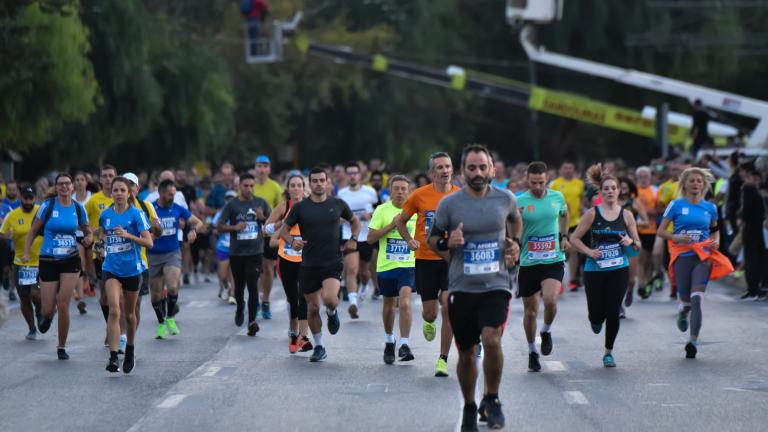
[319, 219]
[699, 130]
[243, 218]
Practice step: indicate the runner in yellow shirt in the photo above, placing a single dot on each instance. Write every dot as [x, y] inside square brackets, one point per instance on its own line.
[667, 193]
[15, 227]
[573, 190]
[271, 192]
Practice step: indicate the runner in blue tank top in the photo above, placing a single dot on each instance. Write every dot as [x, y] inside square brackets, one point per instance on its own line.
[125, 230]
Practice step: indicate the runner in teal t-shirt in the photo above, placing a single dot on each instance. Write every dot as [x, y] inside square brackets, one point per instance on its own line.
[540, 243]
[543, 241]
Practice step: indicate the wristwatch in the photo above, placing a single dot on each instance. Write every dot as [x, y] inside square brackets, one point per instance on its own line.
[353, 238]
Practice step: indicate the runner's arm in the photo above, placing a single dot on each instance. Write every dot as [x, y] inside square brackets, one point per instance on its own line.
[435, 234]
[401, 222]
[581, 229]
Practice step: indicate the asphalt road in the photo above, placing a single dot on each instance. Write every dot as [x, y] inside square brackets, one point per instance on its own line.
[214, 377]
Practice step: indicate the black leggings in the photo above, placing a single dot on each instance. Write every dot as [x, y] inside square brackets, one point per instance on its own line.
[246, 271]
[605, 291]
[289, 276]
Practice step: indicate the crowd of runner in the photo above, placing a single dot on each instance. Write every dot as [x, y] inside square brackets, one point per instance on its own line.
[466, 236]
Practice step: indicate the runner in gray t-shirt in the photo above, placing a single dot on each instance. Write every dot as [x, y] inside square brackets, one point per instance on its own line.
[479, 250]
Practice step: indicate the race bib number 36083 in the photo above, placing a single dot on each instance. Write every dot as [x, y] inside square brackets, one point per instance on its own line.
[481, 257]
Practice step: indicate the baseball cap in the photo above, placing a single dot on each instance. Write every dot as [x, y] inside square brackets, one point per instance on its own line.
[132, 178]
[27, 191]
[263, 159]
[230, 194]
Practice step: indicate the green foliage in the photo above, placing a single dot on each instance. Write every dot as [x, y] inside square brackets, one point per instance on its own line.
[46, 79]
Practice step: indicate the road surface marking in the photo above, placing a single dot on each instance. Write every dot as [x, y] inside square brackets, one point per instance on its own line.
[575, 398]
[172, 401]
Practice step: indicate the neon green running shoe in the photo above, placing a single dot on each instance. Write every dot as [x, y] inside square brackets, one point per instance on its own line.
[172, 328]
[441, 368]
[161, 330]
[430, 330]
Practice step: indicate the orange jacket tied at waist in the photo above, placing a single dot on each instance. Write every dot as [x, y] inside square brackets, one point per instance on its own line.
[721, 265]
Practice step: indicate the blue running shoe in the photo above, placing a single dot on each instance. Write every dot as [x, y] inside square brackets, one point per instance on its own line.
[608, 361]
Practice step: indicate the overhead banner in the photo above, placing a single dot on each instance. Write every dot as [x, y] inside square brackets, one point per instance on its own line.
[598, 113]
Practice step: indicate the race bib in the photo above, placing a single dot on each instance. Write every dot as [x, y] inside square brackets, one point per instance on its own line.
[289, 251]
[397, 250]
[611, 255]
[481, 257]
[169, 226]
[542, 248]
[696, 235]
[64, 244]
[429, 216]
[116, 244]
[27, 275]
[251, 231]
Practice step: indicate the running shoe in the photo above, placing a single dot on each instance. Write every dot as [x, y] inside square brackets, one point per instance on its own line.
[596, 328]
[82, 308]
[112, 364]
[253, 328]
[239, 317]
[306, 344]
[266, 313]
[430, 330]
[32, 335]
[469, 418]
[645, 291]
[161, 331]
[481, 410]
[658, 282]
[376, 294]
[622, 312]
[44, 325]
[318, 354]
[690, 350]
[389, 353]
[220, 295]
[747, 295]
[682, 321]
[129, 361]
[533, 362]
[608, 361]
[353, 311]
[232, 300]
[123, 343]
[186, 279]
[61, 353]
[493, 414]
[12, 295]
[173, 329]
[441, 368]
[573, 286]
[546, 343]
[629, 298]
[334, 323]
[293, 343]
[404, 353]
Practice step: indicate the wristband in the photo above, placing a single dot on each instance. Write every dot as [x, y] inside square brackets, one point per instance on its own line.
[353, 238]
[442, 244]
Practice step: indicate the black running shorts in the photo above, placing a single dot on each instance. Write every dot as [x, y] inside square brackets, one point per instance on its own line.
[470, 312]
[529, 278]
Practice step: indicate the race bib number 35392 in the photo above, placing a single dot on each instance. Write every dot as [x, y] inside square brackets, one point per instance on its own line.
[542, 248]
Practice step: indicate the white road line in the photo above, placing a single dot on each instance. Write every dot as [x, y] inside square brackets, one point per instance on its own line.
[213, 370]
[198, 304]
[575, 398]
[555, 366]
[736, 389]
[172, 401]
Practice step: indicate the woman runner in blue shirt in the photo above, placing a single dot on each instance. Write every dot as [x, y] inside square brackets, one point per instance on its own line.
[125, 230]
[59, 218]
